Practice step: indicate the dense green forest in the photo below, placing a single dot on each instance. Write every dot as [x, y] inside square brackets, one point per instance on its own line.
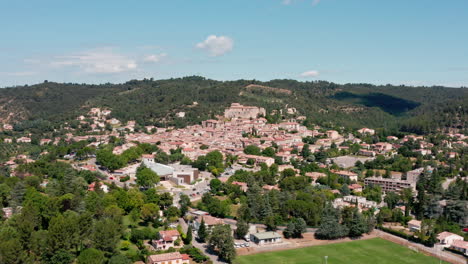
[156, 102]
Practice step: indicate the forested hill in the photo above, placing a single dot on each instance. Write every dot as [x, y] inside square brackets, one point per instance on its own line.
[414, 109]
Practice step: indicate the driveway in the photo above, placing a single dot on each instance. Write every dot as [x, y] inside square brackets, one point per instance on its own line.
[202, 247]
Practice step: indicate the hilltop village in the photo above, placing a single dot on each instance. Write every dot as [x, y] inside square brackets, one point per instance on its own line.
[240, 178]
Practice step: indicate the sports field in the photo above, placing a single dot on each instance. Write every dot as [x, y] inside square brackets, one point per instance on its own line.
[371, 251]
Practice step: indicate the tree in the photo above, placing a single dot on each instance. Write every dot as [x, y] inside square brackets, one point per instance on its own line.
[119, 259]
[269, 152]
[106, 158]
[145, 177]
[188, 237]
[63, 232]
[295, 228]
[373, 193]
[202, 231]
[149, 212]
[184, 203]
[358, 225]
[242, 228]
[62, 257]
[305, 152]
[288, 173]
[345, 189]
[215, 185]
[17, 195]
[222, 241]
[91, 256]
[172, 212]
[407, 197]
[10, 251]
[330, 227]
[252, 150]
[106, 235]
[391, 199]
[165, 200]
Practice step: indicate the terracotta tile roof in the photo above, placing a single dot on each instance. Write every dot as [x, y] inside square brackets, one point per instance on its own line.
[165, 257]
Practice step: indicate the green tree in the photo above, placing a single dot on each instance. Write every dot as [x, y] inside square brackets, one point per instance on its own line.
[222, 241]
[391, 199]
[215, 185]
[252, 150]
[358, 225]
[63, 232]
[202, 231]
[149, 212]
[305, 152]
[269, 152]
[11, 251]
[345, 189]
[119, 259]
[145, 177]
[106, 235]
[184, 203]
[188, 237]
[330, 227]
[295, 228]
[91, 256]
[62, 257]
[242, 228]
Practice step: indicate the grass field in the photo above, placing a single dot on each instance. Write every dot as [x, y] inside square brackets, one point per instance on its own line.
[371, 251]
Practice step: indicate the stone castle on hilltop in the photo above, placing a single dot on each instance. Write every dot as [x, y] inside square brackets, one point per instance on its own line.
[239, 111]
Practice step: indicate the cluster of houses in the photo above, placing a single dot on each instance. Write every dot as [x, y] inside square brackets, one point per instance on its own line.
[354, 201]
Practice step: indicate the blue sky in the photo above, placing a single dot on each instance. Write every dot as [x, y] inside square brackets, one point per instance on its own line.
[414, 42]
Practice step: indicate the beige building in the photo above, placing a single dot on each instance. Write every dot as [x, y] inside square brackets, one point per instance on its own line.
[414, 225]
[239, 111]
[447, 238]
[389, 185]
[264, 238]
[168, 258]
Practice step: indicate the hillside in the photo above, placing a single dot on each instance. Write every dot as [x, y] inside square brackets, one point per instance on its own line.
[414, 109]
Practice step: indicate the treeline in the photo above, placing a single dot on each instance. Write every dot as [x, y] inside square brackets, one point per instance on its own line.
[156, 102]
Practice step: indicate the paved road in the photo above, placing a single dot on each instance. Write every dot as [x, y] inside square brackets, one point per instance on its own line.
[202, 247]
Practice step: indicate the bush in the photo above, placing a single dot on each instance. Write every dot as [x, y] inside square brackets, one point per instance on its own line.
[124, 179]
[194, 253]
[427, 243]
[137, 235]
[125, 245]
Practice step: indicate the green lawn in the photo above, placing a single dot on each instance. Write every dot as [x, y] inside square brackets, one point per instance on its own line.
[371, 251]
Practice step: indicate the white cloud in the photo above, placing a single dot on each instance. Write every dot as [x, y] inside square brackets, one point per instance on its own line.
[155, 57]
[309, 74]
[216, 46]
[98, 61]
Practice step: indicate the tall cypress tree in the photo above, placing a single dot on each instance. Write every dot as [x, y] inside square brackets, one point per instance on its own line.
[202, 232]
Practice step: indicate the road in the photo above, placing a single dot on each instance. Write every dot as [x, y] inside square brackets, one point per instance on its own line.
[200, 246]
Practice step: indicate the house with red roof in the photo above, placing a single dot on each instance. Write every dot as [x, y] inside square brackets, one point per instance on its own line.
[167, 240]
